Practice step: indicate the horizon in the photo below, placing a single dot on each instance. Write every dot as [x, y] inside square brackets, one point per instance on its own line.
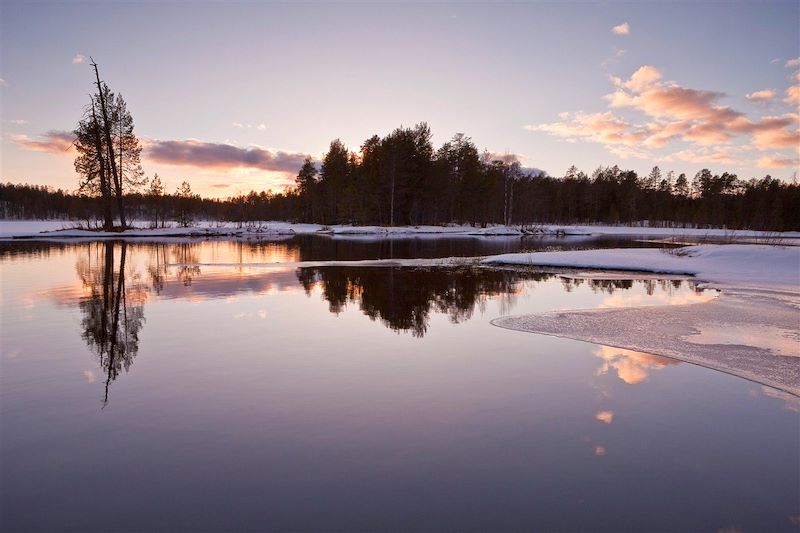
[689, 87]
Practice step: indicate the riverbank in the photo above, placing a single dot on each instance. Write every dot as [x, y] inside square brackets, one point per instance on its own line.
[60, 229]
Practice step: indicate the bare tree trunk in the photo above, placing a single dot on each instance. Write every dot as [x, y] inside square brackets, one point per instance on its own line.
[391, 197]
[105, 187]
[110, 145]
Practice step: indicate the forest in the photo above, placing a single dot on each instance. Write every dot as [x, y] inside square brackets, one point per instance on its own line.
[456, 184]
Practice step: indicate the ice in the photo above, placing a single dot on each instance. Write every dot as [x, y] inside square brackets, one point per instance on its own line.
[766, 351]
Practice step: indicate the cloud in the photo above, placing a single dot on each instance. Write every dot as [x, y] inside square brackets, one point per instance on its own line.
[603, 128]
[644, 77]
[18, 121]
[627, 152]
[3, 82]
[778, 161]
[676, 113]
[622, 29]
[54, 142]
[793, 63]
[79, 59]
[243, 126]
[765, 95]
[715, 155]
[187, 153]
[199, 154]
[793, 95]
[220, 185]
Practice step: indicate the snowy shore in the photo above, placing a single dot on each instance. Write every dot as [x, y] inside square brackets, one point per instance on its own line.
[736, 266]
[60, 229]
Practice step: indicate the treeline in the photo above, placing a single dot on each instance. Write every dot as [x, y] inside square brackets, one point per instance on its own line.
[152, 206]
[400, 179]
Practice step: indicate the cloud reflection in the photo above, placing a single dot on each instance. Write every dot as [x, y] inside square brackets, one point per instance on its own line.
[605, 416]
[630, 366]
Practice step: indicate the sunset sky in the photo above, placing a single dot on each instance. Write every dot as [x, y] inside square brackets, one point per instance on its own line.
[232, 96]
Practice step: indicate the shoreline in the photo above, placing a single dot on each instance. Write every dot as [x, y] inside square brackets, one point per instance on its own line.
[59, 229]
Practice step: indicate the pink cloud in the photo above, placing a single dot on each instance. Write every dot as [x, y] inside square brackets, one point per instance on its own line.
[765, 95]
[691, 115]
[208, 155]
[793, 95]
[778, 162]
[603, 128]
[53, 141]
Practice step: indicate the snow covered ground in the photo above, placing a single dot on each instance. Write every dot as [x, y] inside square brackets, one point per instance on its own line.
[739, 266]
[66, 229]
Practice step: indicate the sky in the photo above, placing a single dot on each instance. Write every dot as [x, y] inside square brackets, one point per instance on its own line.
[231, 96]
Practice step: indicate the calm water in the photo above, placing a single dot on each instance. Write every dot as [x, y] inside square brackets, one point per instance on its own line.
[145, 388]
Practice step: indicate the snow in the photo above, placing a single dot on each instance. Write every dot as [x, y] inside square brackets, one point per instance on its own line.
[65, 229]
[741, 266]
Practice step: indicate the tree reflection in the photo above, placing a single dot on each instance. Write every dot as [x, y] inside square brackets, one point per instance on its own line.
[186, 258]
[403, 298]
[113, 312]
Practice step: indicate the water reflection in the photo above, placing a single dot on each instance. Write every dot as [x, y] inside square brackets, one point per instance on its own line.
[112, 310]
[403, 298]
[115, 279]
[479, 427]
[630, 366]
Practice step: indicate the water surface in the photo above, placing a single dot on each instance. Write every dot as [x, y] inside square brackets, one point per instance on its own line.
[145, 388]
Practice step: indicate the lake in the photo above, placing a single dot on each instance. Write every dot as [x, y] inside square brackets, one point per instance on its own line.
[203, 386]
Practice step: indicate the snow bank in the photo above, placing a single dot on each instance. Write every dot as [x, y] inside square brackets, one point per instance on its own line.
[743, 266]
[60, 229]
[697, 233]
